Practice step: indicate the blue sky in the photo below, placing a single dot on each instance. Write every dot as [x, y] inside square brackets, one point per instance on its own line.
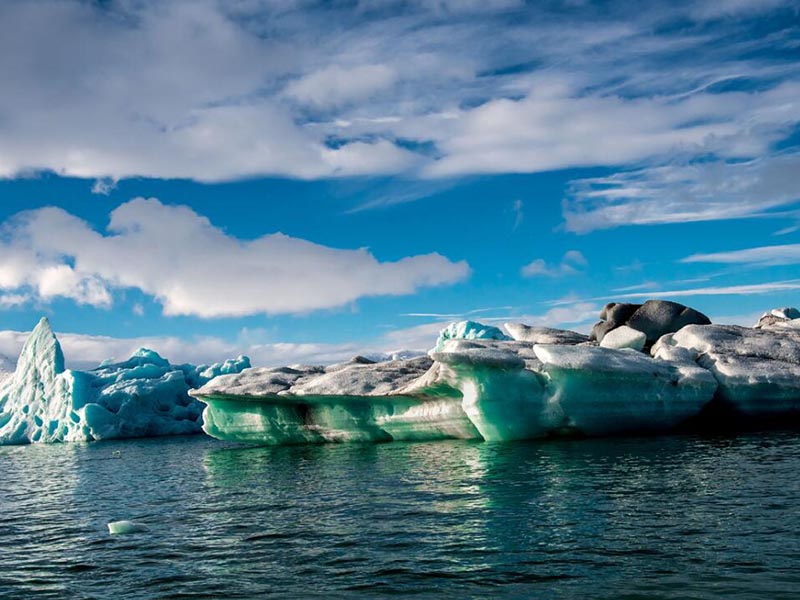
[303, 181]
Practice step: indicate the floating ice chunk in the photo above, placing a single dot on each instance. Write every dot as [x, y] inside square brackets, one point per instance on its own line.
[125, 527]
[624, 337]
[758, 370]
[468, 330]
[142, 396]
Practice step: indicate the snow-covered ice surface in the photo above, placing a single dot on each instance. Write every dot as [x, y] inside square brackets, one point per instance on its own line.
[624, 337]
[355, 401]
[544, 335]
[480, 384]
[758, 370]
[473, 388]
[140, 397]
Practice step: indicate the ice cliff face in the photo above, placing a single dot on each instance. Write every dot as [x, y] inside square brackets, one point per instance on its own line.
[479, 383]
[142, 396]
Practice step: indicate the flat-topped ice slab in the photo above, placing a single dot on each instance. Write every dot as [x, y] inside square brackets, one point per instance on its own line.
[355, 401]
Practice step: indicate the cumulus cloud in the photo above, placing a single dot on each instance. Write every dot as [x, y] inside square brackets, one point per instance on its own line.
[198, 269]
[572, 262]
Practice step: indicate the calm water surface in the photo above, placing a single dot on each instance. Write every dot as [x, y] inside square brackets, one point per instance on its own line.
[668, 517]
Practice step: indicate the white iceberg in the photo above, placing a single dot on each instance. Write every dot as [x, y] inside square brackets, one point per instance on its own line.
[125, 527]
[758, 370]
[144, 396]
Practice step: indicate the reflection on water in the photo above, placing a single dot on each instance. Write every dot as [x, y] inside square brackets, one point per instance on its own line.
[668, 517]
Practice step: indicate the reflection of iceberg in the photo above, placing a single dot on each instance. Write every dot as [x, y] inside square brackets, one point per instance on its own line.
[478, 383]
[42, 401]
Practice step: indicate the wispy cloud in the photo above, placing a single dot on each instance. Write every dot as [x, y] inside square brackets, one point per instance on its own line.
[731, 290]
[788, 254]
[572, 263]
[704, 191]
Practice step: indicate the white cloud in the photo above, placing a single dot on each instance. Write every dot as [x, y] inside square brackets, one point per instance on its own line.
[558, 126]
[704, 191]
[214, 91]
[788, 254]
[731, 290]
[104, 186]
[197, 268]
[572, 263]
[335, 85]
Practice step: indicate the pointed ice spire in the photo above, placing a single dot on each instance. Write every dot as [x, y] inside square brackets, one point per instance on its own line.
[41, 356]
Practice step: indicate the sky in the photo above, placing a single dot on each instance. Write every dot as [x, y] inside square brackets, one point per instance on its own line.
[304, 181]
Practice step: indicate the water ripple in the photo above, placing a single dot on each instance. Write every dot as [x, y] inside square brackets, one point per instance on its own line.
[672, 517]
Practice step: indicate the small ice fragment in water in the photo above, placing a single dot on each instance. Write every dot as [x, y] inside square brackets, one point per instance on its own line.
[123, 527]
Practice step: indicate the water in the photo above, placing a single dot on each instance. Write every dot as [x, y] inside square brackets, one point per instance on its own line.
[668, 517]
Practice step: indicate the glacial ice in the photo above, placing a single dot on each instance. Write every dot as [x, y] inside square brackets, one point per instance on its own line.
[144, 396]
[780, 318]
[355, 401]
[125, 527]
[624, 337]
[480, 384]
[544, 335]
[473, 388]
[758, 370]
[469, 330]
[477, 383]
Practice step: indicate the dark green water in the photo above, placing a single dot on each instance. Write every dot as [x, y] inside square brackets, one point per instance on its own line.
[668, 517]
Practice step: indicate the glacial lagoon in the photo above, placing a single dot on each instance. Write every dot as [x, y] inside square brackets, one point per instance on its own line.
[681, 516]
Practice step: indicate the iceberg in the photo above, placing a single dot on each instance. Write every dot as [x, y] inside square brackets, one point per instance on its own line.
[522, 391]
[478, 383]
[544, 335]
[144, 396]
[758, 370]
[355, 401]
[494, 390]
[780, 318]
[469, 330]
